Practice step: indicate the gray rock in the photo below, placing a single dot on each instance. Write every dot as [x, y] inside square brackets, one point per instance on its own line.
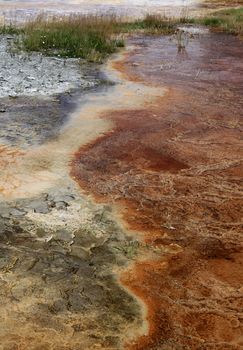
[17, 212]
[61, 205]
[5, 214]
[63, 198]
[39, 206]
[80, 252]
[64, 235]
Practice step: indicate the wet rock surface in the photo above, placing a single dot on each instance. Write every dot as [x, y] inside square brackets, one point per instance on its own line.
[31, 121]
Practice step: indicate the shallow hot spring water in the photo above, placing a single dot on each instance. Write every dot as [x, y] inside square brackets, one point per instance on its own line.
[161, 149]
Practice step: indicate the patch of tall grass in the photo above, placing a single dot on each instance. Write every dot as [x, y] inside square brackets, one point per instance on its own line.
[88, 37]
[10, 29]
[229, 20]
[151, 24]
[157, 24]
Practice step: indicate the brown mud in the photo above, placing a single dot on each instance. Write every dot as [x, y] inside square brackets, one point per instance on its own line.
[174, 169]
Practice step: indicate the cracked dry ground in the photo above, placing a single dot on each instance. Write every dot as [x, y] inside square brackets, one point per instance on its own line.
[174, 170]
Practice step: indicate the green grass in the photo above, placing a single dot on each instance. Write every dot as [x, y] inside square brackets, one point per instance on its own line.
[156, 24]
[211, 21]
[88, 37]
[10, 29]
[230, 21]
[151, 24]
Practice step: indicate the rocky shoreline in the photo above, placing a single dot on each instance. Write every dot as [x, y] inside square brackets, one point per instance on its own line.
[37, 93]
[58, 249]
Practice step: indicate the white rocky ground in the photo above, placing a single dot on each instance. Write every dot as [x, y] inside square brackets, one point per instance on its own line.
[34, 74]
